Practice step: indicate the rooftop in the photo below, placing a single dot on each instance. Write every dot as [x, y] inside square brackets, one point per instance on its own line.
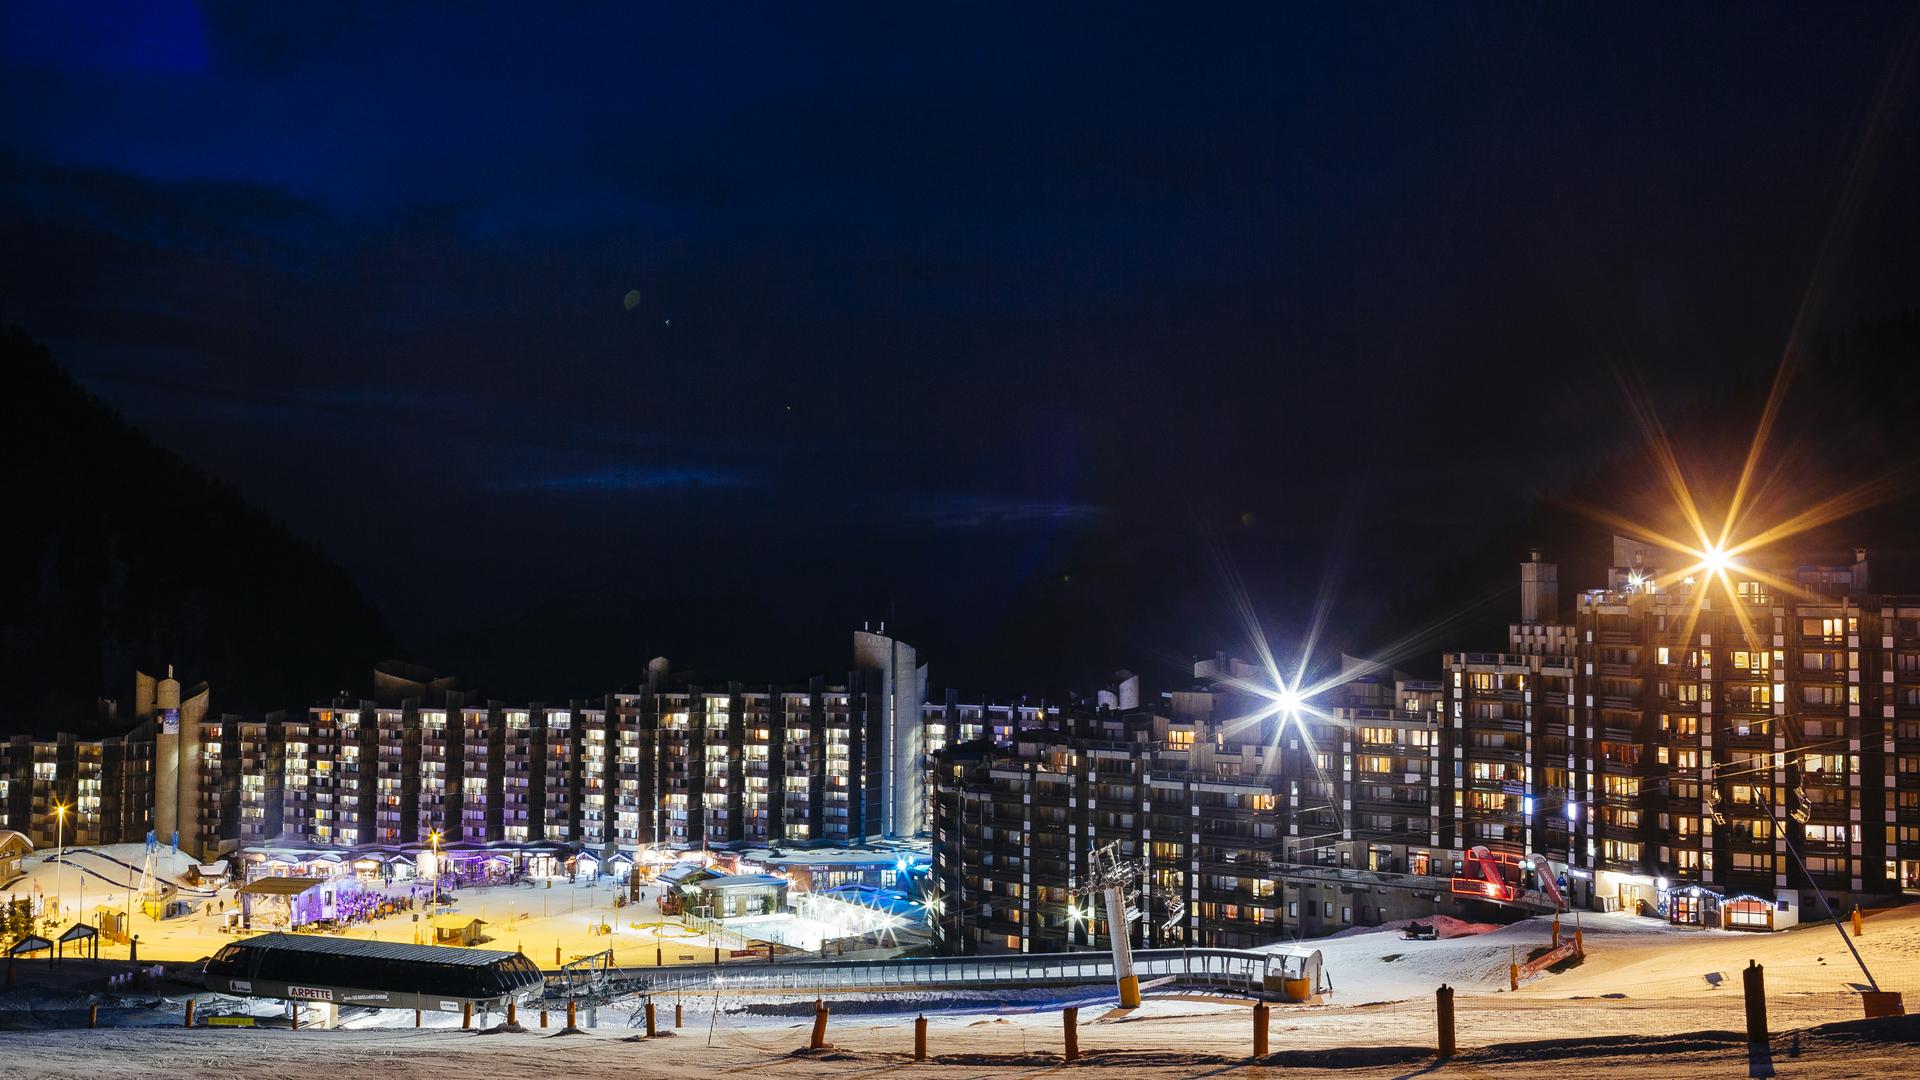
[381, 950]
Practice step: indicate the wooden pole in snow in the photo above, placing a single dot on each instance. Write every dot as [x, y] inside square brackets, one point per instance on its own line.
[819, 1040]
[1754, 979]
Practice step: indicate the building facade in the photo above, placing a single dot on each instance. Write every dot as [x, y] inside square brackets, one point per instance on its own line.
[1664, 744]
[1246, 824]
[1746, 737]
[674, 763]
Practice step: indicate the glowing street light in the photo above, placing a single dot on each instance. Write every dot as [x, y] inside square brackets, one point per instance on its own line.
[60, 849]
[434, 839]
[1714, 546]
[1288, 701]
[1714, 560]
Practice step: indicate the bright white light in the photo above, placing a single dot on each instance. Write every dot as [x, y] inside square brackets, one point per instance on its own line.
[1660, 883]
[1715, 560]
[1288, 700]
[1527, 805]
[1573, 810]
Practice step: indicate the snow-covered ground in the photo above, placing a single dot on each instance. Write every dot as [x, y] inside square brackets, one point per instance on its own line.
[1636, 1006]
[537, 919]
[1163, 1041]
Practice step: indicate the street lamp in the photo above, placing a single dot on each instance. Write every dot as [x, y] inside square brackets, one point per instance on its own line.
[60, 851]
[434, 839]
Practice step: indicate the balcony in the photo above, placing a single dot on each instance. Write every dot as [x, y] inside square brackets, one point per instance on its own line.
[1408, 807]
[1611, 830]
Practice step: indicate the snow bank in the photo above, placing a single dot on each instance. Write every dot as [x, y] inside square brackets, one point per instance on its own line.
[1447, 925]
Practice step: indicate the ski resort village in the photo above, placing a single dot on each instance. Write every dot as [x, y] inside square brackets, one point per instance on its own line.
[1603, 839]
[880, 541]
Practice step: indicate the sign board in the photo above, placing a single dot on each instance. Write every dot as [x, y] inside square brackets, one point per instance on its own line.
[1546, 960]
[310, 993]
[229, 1021]
[170, 722]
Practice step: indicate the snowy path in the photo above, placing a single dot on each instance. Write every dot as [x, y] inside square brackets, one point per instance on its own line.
[1184, 1043]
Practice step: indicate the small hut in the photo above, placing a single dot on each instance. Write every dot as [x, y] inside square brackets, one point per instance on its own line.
[735, 896]
[458, 930]
[112, 923]
[13, 846]
[211, 874]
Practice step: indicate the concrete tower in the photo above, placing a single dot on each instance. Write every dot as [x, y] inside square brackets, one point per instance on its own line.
[903, 686]
[1539, 591]
[166, 757]
[177, 720]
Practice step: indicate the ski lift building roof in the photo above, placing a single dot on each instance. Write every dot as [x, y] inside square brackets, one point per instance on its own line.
[376, 974]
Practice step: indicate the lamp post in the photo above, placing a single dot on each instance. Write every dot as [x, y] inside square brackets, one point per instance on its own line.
[434, 839]
[60, 852]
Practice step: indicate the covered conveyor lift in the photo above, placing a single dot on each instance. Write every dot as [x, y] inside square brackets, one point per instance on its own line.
[372, 974]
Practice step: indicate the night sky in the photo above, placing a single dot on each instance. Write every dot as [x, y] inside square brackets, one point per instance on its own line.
[580, 334]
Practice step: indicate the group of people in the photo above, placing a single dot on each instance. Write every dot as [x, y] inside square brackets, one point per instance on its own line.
[352, 908]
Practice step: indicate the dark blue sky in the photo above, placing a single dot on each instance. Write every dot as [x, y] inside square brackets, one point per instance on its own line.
[930, 302]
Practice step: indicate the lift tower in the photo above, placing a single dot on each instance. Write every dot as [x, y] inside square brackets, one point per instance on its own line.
[1114, 878]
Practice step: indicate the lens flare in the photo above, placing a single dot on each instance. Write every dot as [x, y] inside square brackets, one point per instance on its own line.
[1714, 561]
[1287, 701]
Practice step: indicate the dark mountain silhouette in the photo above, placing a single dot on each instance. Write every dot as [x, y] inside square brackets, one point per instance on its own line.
[119, 554]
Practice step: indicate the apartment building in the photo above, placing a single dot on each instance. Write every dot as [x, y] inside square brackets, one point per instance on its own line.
[1246, 824]
[950, 722]
[675, 762]
[518, 804]
[393, 760]
[436, 798]
[481, 794]
[1683, 740]
[106, 786]
[261, 753]
[217, 811]
[672, 763]
[1897, 769]
[308, 808]
[740, 767]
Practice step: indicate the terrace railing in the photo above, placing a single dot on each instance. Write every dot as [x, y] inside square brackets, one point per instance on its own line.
[1226, 969]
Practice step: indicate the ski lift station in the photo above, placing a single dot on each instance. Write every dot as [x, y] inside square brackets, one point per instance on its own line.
[1296, 974]
[334, 971]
